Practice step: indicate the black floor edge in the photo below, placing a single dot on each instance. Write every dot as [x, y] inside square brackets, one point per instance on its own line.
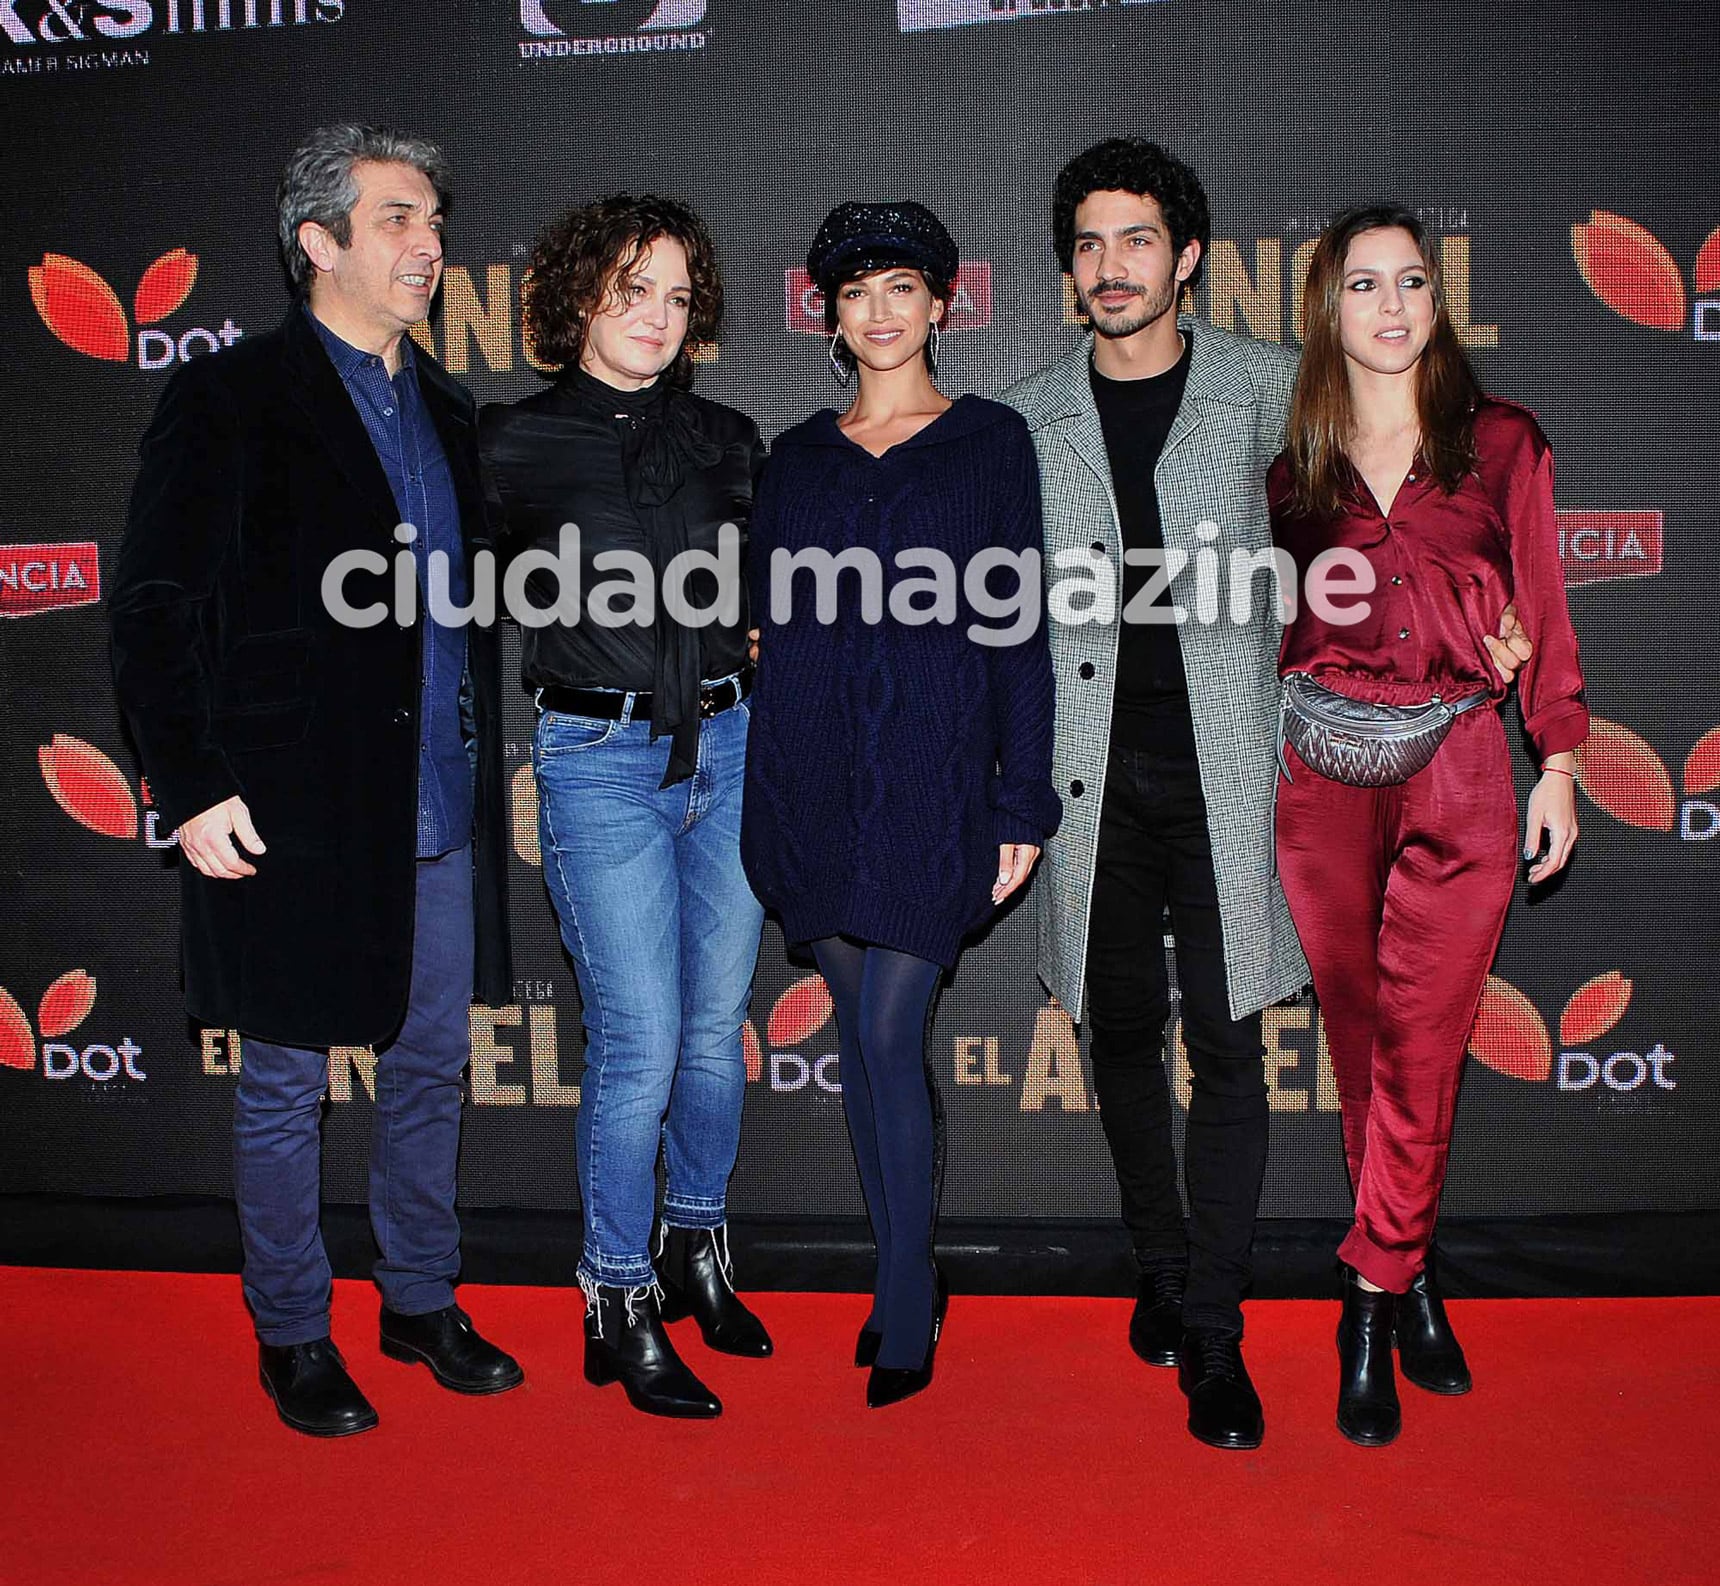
[1638, 1253]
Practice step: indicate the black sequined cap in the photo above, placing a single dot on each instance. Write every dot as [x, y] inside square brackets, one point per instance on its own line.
[856, 239]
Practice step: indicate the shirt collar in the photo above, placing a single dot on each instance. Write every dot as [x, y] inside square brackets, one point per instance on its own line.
[348, 359]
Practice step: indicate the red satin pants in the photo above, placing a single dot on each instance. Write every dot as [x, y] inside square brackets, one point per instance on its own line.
[1399, 895]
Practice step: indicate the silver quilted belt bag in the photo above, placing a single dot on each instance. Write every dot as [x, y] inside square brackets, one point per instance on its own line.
[1350, 740]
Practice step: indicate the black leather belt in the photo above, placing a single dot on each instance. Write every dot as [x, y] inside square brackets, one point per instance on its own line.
[607, 704]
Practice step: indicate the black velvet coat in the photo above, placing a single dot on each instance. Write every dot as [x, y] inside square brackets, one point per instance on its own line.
[256, 472]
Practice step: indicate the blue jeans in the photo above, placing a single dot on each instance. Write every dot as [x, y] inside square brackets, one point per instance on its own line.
[663, 930]
[277, 1146]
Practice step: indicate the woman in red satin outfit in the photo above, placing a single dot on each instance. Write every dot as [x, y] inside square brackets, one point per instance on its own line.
[1399, 893]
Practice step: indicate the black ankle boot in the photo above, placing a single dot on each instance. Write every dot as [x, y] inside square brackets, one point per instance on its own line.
[626, 1342]
[697, 1279]
[1156, 1324]
[1368, 1411]
[1428, 1350]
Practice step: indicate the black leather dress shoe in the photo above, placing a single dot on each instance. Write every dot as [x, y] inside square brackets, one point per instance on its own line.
[1428, 1350]
[1223, 1408]
[312, 1392]
[1368, 1411]
[1156, 1327]
[697, 1279]
[891, 1384]
[458, 1357]
[626, 1342]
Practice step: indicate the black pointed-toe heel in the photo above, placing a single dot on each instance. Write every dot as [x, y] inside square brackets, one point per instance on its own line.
[866, 1347]
[891, 1384]
[1368, 1410]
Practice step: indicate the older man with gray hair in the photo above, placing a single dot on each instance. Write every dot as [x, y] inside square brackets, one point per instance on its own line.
[338, 790]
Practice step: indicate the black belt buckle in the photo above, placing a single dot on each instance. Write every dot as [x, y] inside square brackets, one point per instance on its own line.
[728, 692]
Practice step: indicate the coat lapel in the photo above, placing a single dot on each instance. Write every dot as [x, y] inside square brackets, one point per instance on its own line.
[318, 390]
[1068, 395]
[452, 418]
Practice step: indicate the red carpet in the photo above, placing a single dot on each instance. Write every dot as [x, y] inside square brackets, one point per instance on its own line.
[139, 1451]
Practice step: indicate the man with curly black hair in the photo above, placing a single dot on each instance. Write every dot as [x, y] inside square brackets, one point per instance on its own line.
[1154, 436]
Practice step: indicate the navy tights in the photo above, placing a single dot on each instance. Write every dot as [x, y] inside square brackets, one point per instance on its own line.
[882, 1001]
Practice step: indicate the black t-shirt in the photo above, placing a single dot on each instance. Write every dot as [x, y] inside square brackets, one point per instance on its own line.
[1150, 709]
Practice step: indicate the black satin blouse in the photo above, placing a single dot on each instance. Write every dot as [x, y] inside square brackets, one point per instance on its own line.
[649, 471]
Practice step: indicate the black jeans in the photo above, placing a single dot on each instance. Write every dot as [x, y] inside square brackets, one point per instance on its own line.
[1154, 851]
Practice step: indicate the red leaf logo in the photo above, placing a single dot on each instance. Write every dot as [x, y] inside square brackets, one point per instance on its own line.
[79, 307]
[754, 1052]
[66, 1004]
[1510, 1034]
[801, 1011]
[1628, 268]
[88, 786]
[1702, 768]
[165, 285]
[1624, 776]
[1594, 1009]
[1708, 264]
[17, 1044]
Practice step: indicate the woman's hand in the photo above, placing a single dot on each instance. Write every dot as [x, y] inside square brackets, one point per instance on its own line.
[1014, 865]
[1552, 810]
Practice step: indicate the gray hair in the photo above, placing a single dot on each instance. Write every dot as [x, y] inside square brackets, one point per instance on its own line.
[318, 183]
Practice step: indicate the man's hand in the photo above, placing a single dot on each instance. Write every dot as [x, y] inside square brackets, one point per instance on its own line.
[1512, 648]
[1014, 864]
[207, 840]
[752, 645]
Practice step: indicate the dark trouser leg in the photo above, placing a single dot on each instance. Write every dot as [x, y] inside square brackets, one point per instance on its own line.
[277, 1176]
[1128, 1001]
[843, 965]
[1224, 1150]
[416, 1137]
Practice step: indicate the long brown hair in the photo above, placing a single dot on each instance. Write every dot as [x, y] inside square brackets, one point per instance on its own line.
[1322, 416]
[582, 256]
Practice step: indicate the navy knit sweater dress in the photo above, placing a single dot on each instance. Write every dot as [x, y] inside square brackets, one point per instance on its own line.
[886, 761]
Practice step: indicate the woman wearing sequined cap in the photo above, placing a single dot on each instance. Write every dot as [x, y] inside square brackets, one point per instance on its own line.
[899, 775]
[1399, 877]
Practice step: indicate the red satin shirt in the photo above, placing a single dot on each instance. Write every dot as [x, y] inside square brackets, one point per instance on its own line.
[1445, 567]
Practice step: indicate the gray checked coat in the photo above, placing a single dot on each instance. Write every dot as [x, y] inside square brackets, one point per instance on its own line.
[1213, 470]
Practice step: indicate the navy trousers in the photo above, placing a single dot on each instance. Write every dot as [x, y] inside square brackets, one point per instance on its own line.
[277, 1147]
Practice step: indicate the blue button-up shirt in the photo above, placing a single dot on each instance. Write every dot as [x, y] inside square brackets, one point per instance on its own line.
[410, 451]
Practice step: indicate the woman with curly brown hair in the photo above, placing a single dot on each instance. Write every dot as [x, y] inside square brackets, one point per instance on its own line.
[638, 754]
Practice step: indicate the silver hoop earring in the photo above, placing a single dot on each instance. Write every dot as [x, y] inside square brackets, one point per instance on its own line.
[841, 370]
[932, 341]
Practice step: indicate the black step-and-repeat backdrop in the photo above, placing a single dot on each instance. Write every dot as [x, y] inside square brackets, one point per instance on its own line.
[1562, 153]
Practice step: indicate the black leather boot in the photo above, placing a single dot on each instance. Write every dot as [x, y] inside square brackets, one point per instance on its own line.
[312, 1392]
[626, 1342]
[1223, 1408]
[1368, 1411]
[1156, 1326]
[458, 1355]
[697, 1279]
[1428, 1350]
